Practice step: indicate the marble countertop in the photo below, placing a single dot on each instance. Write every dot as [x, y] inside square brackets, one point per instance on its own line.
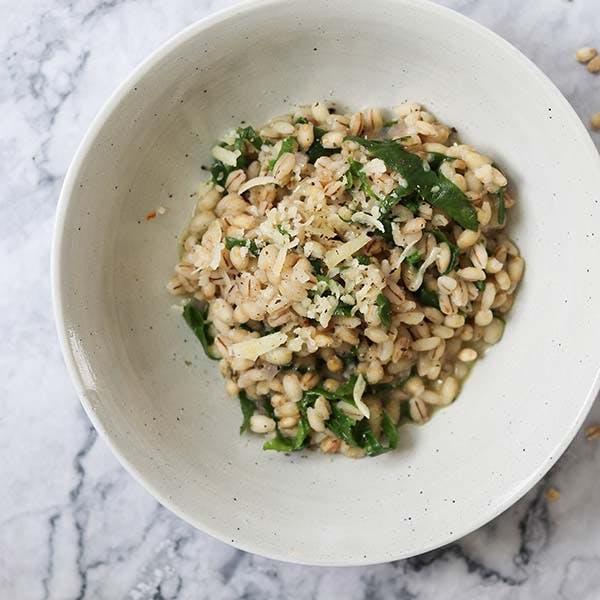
[73, 524]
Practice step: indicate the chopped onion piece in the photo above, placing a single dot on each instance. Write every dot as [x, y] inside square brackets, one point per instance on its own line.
[359, 389]
[264, 180]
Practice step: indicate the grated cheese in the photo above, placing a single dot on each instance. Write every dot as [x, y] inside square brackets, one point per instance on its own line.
[339, 253]
[227, 157]
[366, 219]
[416, 284]
[253, 348]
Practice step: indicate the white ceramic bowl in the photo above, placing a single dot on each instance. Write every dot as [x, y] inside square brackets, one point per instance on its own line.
[171, 423]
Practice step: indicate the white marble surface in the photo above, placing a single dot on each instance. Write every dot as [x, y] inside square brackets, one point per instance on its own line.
[73, 524]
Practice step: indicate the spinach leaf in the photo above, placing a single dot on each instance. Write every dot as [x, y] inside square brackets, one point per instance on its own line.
[230, 242]
[268, 408]
[440, 236]
[362, 259]
[282, 230]
[287, 145]
[384, 309]
[412, 203]
[365, 438]
[316, 149]
[341, 425]
[349, 179]
[247, 134]
[343, 310]
[220, 172]
[405, 410]
[386, 221]
[318, 266]
[356, 169]
[197, 322]
[390, 430]
[390, 123]
[480, 285]
[386, 204]
[279, 443]
[248, 407]
[301, 120]
[435, 159]
[501, 206]
[299, 441]
[350, 359]
[380, 388]
[429, 298]
[344, 392]
[414, 259]
[452, 200]
[433, 188]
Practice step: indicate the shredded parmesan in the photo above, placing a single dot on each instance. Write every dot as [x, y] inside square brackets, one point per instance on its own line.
[264, 180]
[278, 264]
[227, 157]
[339, 253]
[418, 280]
[406, 251]
[253, 348]
[366, 219]
[357, 393]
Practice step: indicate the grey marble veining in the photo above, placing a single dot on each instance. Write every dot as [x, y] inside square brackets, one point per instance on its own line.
[73, 524]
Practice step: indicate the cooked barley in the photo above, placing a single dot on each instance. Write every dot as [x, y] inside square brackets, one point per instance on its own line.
[306, 284]
[585, 54]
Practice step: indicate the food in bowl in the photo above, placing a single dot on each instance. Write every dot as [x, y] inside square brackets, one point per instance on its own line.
[346, 271]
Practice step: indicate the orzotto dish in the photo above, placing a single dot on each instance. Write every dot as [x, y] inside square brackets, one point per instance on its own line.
[346, 271]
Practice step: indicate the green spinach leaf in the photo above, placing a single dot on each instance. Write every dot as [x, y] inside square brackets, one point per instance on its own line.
[384, 309]
[343, 310]
[380, 388]
[414, 259]
[230, 242]
[247, 134]
[412, 203]
[365, 438]
[356, 169]
[318, 266]
[435, 159]
[248, 407]
[429, 298]
[317, 150]
[501, 206]
[287, 145]
[433, 188]
[299, 441]
[220, 172]
[390, 430]
[341, 425]
[197, 322]
[386, 204]
[282, 230]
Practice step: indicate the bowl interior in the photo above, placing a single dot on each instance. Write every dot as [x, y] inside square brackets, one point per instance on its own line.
[145, 381]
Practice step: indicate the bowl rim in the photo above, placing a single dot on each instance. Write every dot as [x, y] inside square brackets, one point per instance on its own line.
[96, 125]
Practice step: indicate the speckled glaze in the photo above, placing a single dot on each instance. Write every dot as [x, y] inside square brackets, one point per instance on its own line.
[129, 354]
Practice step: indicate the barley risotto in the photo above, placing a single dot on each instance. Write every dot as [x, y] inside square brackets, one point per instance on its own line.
[346, 270]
